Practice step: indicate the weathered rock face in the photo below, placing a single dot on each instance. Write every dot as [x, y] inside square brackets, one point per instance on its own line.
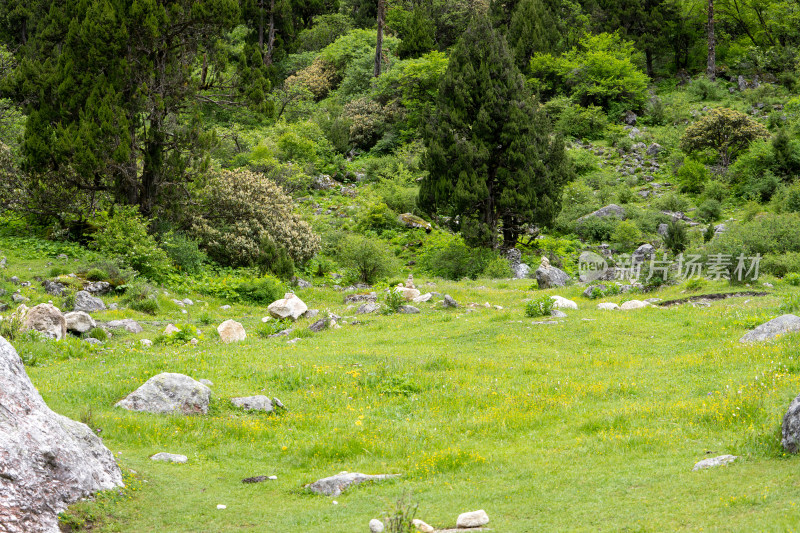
[611, 210]
[777, 326]
[253, 403]
[472, 519]
[98, 288]
[712, 462]
[548, 276]
[87, 303]
[335, 485]
[128, 324]
[53, 288]
[46, 319]
[79, 322]
[368, 308]
[413, 221]
[790, 429]
[289, 307]
[231, 331]
[559, 302]
[169, 393]
[47, 461]
[634, 304]
[408, 294]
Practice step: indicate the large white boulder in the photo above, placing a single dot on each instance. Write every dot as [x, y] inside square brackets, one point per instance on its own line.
[291, 306]
[79, 322]
[46, 319]
[47, 461]
[777, 326]
[169, 393]
[231, 331]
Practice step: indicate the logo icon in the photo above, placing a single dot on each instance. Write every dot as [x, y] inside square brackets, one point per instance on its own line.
[591, 266]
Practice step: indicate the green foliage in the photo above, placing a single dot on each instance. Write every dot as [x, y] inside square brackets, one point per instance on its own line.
[184, 252]
[676, 240]
[141, 296]
[626, 235]
[327, 28]
[792, 199]
[449, 257]
[725, 131]
[497, 268]
[533, 28]
[672, 202]
[124, 238]
[96, 274]
[98, 333]
[599, 71]
[369, 259]
[793, 279]
[415, 30]
[769, 235]
[597, 229]
[781, 264]
[377, 217]
[582, 122]
[703, 89]
[541, 306]
[10, 327]
[709, 211]
[392, 302]
[260, 291]
[185, 333]
[791, 303]
[504, 167]
[274, 259]
[692, 176]
[610, 290]
[272, 327]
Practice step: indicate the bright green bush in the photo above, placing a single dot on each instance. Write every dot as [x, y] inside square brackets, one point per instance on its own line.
[141, 296]
[124, 237]
[709, 211]
[326, 29]
[793, 279]
[368, 259]
[537, 307]
[725, 131]
[498, 268]
[596, 229]
[692, 176]
[184, 251]
[96, 274]
[626, 235]
[676, 239]
[260, 291]
[447, 256]
[781, 265]
[582, 122]
[376, 217]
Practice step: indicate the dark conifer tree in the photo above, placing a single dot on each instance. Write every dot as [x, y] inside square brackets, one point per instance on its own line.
[494, 166]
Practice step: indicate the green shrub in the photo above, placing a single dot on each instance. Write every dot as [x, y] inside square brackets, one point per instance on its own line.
[715, 190]
[791, 201]
[448, 257]
[369, 259]
[393, 301]
[124, 237]
[184, 252]
[582, 122]
[695, 284]
[141, 296]
[583, 161]
[96, 274]
[596, 229]
[274, 259]
[676, 239]
[725, 131]
[692, 176]
[793, 279]
[704, 89]
[98, 333]
[709, 211]
[271, 327]
[781, 264]
[185, 333]
[498, 268]
[261, 291]
[791, 303]
[537, 307]
[672, 202]
[56, 271]
[376, 217]
[610, 290]
[626, 235]
[116, 275]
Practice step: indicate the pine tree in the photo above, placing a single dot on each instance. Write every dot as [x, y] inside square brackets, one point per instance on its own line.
[533, 28]
[494, 166]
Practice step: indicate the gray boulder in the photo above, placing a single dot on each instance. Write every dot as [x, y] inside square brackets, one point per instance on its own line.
[169, 457]
[654, 149]
[169, 393]
[557, 313]
[643, 253]
[47, 320]
[663, 230]
[407, 310]
[368, 308]
[775, 327]
[47, 461]
[319, 325]
[711, 462]
[449, 301]
[611, 210]
[790, 429]
[87, 303]
[289, 307]
[79, 322]
[98, 288]
[360, 298]
[472, 519]
[253, 403]
[128, 324]
[548, 276]
[53, 288]
[335, 485]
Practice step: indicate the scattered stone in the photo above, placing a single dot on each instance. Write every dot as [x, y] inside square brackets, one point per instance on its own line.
[559, 302]
[113, 306]
[520, 269]
[423, 298]
[265, 319]
[663, 230]
[303, 284]
[611, 210]
[14, 280]
[79, 322]
[129, 325]
[775, 327]
[319, 325]
[408, 294]
[17, 298]
[253, 403]
[171, 329]
[633, 304]
[47, 461]
[98, 288]
[87, 303]
[472, 519]
[169, 393]
[768, 285]
[545, 323]
[375, 526]
[629, 118]
[92, 341]
[289, 307]
[187, 301]
[360, 298]
[146, 343]
[413, 221]
[335, 485]
[410, 282]
[279, 404]
[231, 331]
[421, 526]
[258, 479]
[311, 313]
[222, 507]
[407, 310]
[179, 303]
[53, 288]
[449, 301]
[714, 461]
[284, 333]
[608, 306]
[642, 253]
[548, 276]
[368, 308]
[555, 313]
[169, 458]
[225, 307]
[194, 341]
[47, 320]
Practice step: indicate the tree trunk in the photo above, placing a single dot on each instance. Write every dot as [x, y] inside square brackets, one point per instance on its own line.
[271, 37]
[379, 46]
[261, 26]
[711, 68]
[648, 57]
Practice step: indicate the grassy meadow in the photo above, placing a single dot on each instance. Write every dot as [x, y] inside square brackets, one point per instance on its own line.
[590, 424]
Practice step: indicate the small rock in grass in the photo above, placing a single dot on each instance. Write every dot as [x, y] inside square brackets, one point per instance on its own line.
[277, 403]
[87, 303]
[407, 310]
[253, 403]
[421, 526]
[187, 301]
[169, 458]
[146, 343]
[256, 479]
[265, 319]
[231, 331]
[171, 329]
[559, 302]
[289, 307]
[293, 341]
[311, 313]
[375, 526]
[222, 507]
[367, 308]
[423, 298]
[194, 341]
[472, 519]
[555, 313]
[633, 304]
[449, 301]
[225, 307]
[79, 322]
[130, 325]
[169, 393]
[714, 461]
[335, 485]
[775, 327]
[608, 306]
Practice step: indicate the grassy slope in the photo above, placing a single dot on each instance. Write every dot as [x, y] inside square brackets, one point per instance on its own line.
[590, 424]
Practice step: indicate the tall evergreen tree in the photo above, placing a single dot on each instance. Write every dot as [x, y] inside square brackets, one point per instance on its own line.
[533, 28]
[494, 166]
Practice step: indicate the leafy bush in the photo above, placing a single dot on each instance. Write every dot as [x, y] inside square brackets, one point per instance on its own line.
[141, 296]
[537, 307]
[272, 327]
[448, 257]
[368, 122]
[393, 301]
[596, 229]
[239, 210]
[582, 122]
[709, 211]
[261, 291]
[124, 237]
[626, 235]
[692, 176]
[714, 190]
[498, 268]
[96, 274]
[676, 240]
[781, 264]
[319, 78]
[610, 290]
[725, 131]
[98, 333]
[599, 71]
[398, 196]
[184, 252]
[369, 259]
[791, 201]
[671, 202]
[274, 259]
[704, 89]
[793, 279]
[185, 333]
[376, 217]
[326, 29]
[56, 271]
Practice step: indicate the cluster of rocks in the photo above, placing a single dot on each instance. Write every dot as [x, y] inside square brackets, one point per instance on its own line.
[471, 521]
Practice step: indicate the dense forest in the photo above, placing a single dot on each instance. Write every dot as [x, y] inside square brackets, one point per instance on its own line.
[288, 135]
